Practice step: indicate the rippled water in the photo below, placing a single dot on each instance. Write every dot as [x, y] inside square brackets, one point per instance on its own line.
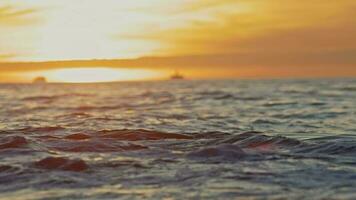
[223, 139]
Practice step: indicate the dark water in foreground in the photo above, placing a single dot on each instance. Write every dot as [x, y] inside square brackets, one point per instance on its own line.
[251, 139]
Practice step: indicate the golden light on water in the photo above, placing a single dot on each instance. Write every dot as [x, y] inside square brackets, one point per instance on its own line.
[94, 75]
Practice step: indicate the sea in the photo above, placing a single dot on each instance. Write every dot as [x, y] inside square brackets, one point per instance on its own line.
[179, 139]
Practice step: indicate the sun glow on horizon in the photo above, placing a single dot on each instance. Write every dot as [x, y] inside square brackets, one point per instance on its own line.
[72, 41]
[95, 75]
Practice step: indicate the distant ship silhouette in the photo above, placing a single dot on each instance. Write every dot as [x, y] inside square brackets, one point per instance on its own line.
[40, 79]
[177, 76]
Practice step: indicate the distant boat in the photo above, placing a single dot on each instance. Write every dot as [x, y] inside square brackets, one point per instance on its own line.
[177, 76]
[40, 79]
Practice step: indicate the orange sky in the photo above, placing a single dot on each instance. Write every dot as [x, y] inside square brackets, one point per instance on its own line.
[202, 38]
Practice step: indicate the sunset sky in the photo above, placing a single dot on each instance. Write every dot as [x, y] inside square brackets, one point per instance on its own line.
[152, 38]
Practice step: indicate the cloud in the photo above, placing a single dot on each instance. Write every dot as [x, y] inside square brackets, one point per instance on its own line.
[13, 16]
[16, 23]
[273, 31]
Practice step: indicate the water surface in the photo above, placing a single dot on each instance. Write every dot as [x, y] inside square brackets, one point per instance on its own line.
[220, 139]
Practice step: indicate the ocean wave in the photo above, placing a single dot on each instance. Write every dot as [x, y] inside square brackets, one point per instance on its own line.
[96, 107]
[330, 148]
[224, 152]
[44, 129]
[140, 134]
[309, 115]
[61, 163]
[279, 103]
[221, 95]
[78, 136]
[13, 142]
[54, 97]
[91, 145]
[126, 140]
[347, 88]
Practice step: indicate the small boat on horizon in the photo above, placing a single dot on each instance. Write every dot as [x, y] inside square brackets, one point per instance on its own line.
[40, 79]
[177, 76]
